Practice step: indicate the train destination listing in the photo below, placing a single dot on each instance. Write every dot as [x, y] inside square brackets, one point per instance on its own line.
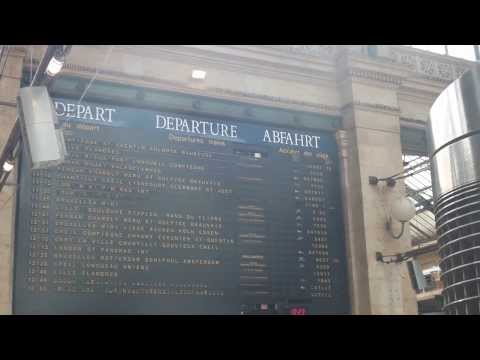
[141, 220]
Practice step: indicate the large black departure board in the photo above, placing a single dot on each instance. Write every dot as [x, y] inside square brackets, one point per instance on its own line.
[163, 213]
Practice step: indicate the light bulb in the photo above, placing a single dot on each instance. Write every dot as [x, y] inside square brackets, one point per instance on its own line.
[7, 166]
[199, 74]
[54, 66]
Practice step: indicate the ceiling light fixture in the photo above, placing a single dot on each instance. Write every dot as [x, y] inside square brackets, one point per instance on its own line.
[8, 166]
[199, 74]
[57, 61]
[54, 66]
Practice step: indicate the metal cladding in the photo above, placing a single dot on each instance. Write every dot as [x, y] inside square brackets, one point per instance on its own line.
[454, 140]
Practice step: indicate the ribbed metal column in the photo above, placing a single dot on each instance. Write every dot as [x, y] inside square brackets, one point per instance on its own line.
[454, 136]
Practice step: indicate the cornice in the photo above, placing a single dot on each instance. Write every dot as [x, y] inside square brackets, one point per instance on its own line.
[375, 75]
[254, 60]
[361, 60]
[358, 105]
[370, 77]
[419, 97]
[118, 75]
[228, 94]
[322, 108]
[429, 66]
[415, 123]
[409, 64]
[326, 51]
[358, 67]
[293, 52]
[424, 86]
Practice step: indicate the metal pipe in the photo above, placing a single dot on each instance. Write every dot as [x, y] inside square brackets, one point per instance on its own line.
[454, 131]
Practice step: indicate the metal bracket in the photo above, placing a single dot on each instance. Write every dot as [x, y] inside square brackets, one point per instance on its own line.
[395, 259]
[373, 180]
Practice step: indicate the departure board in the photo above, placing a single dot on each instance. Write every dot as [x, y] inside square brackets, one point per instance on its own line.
[161, 213]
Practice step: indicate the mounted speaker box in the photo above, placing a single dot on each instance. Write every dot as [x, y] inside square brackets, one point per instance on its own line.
[416, 275]
[40, 129]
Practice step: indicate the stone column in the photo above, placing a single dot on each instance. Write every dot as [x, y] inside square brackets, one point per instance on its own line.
[371, 147]
[9, 86]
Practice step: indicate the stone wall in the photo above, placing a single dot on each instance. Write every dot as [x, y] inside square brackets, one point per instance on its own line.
[9, 85]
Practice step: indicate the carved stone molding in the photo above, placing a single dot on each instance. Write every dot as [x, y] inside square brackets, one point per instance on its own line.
[433, 67]
[418, 122]
[391, 80]
[118, 74]
[326, 109]
[211, 91]
[372, 106]
[314, 50]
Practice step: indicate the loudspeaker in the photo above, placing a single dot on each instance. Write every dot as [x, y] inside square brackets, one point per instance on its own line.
[416, 275]
[40, 128]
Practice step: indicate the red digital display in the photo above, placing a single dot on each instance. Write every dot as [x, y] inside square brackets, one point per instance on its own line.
[298, 311]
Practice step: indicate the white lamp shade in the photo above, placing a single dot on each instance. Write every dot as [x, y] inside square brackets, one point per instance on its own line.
[403, 209]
